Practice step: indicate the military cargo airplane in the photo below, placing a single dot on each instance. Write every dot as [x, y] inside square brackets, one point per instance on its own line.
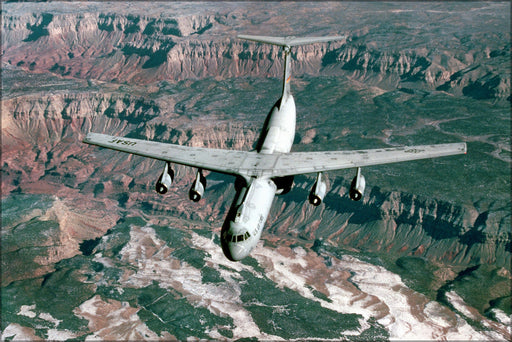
[270, 169]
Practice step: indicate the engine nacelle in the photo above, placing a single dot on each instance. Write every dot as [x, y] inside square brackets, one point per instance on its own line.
[163, 184]
[317, 194]
[357, 186]
[197, 190]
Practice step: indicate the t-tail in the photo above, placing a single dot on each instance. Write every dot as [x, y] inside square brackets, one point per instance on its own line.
[287, 43]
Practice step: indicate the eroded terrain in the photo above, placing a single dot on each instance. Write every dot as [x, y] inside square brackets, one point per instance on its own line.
[426, 254]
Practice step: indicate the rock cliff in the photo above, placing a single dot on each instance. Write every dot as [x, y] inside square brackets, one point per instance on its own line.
[42, 151]
[425, 253]
[143, 49]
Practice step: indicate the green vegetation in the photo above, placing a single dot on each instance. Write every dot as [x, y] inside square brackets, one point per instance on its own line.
[366, 107]
[58, 293]
[166, 310]
[156, 58]
[417, 273]
[211, 275]
[482, 288]
[16, 207]
[105, 22]
[285, 313]
[39, 30]
[19, 82]
[24, 235]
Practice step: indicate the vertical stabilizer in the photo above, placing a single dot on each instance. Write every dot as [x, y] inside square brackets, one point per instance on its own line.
[287, 73]
[287, 43]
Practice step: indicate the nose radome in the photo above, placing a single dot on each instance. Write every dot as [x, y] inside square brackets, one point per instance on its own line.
[233, 252]
[237, 251]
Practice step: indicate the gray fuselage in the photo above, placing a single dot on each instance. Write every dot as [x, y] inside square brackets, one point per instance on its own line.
[248, 213]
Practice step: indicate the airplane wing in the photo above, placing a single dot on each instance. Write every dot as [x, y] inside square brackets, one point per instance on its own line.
[223, 161]
[253, 164]
[295, 163]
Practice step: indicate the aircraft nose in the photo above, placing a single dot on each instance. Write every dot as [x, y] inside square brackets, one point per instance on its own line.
[236, 251]
[236, 240]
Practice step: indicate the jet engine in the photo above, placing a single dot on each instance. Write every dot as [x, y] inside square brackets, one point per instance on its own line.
[165, 180]
[357, 186]
[197, 190]
[317, 194]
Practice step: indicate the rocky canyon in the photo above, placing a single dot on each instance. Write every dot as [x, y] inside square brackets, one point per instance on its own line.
[426, 253]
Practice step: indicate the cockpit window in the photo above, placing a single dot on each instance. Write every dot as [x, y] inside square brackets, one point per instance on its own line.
[239, 238]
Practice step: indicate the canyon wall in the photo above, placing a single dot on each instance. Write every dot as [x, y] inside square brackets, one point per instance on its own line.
[68, 72]
[142, 49]
[42, 152]
[110, 72]
[86, 239]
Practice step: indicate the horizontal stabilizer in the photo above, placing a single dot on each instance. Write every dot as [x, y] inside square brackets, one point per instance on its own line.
[289, 41]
